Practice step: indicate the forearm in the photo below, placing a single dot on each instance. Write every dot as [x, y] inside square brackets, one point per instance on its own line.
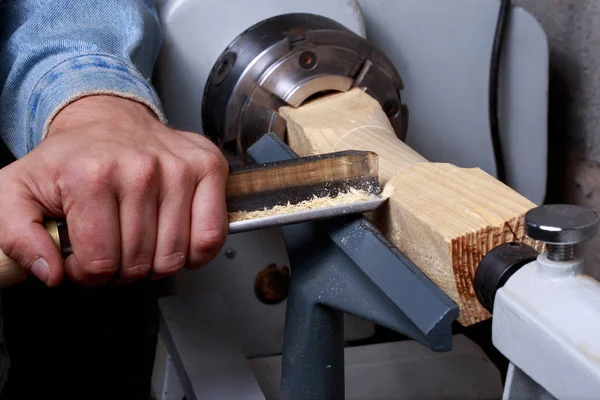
[56, 52]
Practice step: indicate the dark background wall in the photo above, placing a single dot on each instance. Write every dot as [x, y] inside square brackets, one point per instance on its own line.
[573, 30]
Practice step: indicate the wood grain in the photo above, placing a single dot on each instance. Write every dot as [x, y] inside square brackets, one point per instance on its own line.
[444, 218]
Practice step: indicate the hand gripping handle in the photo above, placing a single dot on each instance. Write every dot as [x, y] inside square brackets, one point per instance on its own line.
[12, 273]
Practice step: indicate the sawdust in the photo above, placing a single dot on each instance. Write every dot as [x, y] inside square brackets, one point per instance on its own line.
[388, 190]
[353, 195]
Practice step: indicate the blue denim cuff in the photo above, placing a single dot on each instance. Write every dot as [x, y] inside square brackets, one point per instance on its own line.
[81, 76]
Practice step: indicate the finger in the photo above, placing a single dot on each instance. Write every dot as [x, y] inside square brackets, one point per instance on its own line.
[24, 239]
[209, 218]
[138, 220]
[94, 232]
[174, 221]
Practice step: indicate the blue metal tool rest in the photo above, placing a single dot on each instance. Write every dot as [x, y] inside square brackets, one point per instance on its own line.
[341, 266]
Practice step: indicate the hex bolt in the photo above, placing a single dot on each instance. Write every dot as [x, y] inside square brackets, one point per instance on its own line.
[562, 227]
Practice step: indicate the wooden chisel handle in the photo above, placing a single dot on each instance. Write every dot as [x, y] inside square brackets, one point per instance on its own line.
[11, 273]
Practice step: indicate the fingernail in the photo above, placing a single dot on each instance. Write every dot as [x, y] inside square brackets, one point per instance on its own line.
[39, 268]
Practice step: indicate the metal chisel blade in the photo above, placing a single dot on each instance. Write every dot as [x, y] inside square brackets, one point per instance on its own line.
[273, 189]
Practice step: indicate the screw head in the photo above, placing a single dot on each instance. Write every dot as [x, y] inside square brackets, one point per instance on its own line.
[391, 108]
[223, 67]
[308, 60]
[230, 253]
[564, 224]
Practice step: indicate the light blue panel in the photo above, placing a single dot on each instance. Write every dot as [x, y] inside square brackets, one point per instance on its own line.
[442, 50]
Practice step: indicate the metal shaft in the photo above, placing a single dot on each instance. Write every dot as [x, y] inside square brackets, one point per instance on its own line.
[561, 252]
[313, 350]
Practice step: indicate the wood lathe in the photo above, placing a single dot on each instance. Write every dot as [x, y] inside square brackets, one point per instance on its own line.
[278, 80]
[444, 218]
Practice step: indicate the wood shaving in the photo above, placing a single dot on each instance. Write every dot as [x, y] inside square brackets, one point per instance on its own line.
[388, 191]
[353, 195]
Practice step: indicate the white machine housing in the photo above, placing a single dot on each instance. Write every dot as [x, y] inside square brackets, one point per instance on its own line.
[546, 322]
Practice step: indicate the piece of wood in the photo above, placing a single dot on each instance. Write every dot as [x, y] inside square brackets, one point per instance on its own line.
[442, 217]
[10, 272]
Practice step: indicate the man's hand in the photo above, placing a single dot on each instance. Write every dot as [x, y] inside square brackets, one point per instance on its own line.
[140, 199]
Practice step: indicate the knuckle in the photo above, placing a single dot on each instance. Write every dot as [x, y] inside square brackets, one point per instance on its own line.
[100, 268]
[9, 241]
[136, 271]
[14, 247]
[144, 171]
[208, 242]
[93, 171]
[169, 264]
[215, 163]
[224, 164]
[17, 246]
[178, 174]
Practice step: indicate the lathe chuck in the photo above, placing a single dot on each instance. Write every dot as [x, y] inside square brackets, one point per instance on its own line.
[287, 60]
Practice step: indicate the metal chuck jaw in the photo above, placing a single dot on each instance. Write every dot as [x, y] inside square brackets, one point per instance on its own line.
[285, 61]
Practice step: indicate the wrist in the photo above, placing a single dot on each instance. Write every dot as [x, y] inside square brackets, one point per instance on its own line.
[95, 109]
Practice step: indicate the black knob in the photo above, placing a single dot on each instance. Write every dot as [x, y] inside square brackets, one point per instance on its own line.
[497, 266]
[561, 227]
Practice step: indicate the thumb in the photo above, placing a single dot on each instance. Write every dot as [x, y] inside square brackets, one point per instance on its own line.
[24, 239]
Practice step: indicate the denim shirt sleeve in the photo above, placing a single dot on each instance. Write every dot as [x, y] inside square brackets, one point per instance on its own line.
[53, 52]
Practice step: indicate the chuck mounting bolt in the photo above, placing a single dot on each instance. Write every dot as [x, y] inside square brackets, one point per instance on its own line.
[562, 227]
